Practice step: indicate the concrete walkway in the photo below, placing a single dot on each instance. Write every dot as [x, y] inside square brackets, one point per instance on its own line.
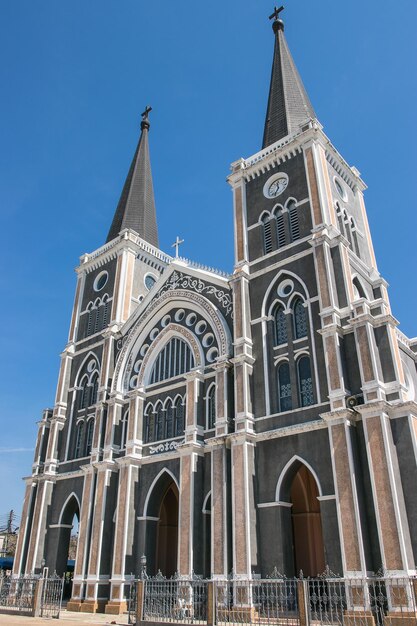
[66, 619]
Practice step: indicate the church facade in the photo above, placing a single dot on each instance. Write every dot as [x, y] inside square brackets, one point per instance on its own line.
[259, 420]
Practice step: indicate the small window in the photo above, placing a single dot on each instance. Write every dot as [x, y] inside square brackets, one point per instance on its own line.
[267, 234]
[150, 280]
[169, 421]
[159, 424]
[93, 390]
[179, 418]
[280, 321]
[79, 440]
[90, 432]
[300, 320]
[123, 435]
[340, 219]
[83, 402]
[149, 424]
[100, 281]
[294, 225]
[305, 382]
[284, 388]
[211, 408]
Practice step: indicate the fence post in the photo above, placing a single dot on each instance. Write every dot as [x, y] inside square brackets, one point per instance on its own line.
[211, 616]
[140, 601]
[303, 602]
[37, 598]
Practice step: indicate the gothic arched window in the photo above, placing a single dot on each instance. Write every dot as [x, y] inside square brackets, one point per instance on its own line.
[78, 440]
[174, 359]
[179, 417]
[83, 398]
[300, 320]
[149, 423]
[93, 390]
[211, 407]
[280, 325]
[348, 228]
[170, 420]
[159, 423]
[89, 437]
[340, 219]
[305, 381]
[280, 226]
[266, 234]
[355, 238]
[105, 313]
[294, 225]
[284, 387]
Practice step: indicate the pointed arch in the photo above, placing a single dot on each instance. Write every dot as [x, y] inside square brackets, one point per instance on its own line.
[293, 220]
[280, 325]
[294, 464]
[169, 477]
[72, 496]
[265, 221]
[277, 279]
[90, 355]
[300, 319]
[206, 500]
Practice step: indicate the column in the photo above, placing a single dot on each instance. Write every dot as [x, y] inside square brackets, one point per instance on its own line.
[93, 600]
[25, 528]
[190, 453]
[219, 511]
[222, 368]
[124, 533]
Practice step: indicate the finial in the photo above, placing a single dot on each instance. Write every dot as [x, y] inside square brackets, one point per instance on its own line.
[277, 24]
[145, 118]
[176, 245]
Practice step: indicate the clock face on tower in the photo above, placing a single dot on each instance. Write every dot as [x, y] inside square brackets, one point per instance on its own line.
[275, 185]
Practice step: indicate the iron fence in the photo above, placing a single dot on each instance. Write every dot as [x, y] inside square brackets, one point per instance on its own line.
[175, 600]
[31, 595]
[277, 601]
[17, 594]
[132, 602]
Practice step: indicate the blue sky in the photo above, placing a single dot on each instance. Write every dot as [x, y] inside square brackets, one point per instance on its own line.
[75, 76]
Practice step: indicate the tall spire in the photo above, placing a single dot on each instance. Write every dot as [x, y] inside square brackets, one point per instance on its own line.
[136, 208]
[288, 104]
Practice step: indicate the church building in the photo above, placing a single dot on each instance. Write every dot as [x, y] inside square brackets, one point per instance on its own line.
[212, 422]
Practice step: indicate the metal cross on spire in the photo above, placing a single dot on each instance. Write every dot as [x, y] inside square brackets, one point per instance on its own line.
[146, 112]
[176, 245]
[275, 14]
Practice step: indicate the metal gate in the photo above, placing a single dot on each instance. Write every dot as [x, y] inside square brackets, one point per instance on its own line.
[51, 597]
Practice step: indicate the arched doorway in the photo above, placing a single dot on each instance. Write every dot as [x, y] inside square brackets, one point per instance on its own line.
[167, 533]
[67, 543]
[307, 530]
[161, 513]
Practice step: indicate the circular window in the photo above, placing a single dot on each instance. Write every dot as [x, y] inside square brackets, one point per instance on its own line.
[212, 355]
[286, 288]
[191, 319]
[208, 340]
[100, 281]
[200, 327]
[179, 315]
[137, 365]
[340, 190]
[133, 382]
[91, 365]
[154, 333]
[150, 280]
[144, 349]
[165, 321]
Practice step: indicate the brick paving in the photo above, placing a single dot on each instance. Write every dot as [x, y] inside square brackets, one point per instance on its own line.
[67, 619]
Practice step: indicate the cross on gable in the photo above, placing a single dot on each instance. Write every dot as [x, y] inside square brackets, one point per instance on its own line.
[176, 245]
[275, 14]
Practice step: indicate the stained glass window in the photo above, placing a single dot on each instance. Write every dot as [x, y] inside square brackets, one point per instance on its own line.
[281, 335]
[305, 382]
[300, 320]
[284, 387]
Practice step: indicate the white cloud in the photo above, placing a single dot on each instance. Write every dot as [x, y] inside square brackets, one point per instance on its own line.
[8, 450]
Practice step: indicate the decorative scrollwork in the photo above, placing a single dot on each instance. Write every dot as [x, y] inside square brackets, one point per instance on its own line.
[168, 446]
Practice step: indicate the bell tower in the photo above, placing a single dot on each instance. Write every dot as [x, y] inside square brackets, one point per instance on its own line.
[314, 333]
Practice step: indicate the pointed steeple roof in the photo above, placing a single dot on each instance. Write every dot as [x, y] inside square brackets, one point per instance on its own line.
[136, 208]
[288, 104]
